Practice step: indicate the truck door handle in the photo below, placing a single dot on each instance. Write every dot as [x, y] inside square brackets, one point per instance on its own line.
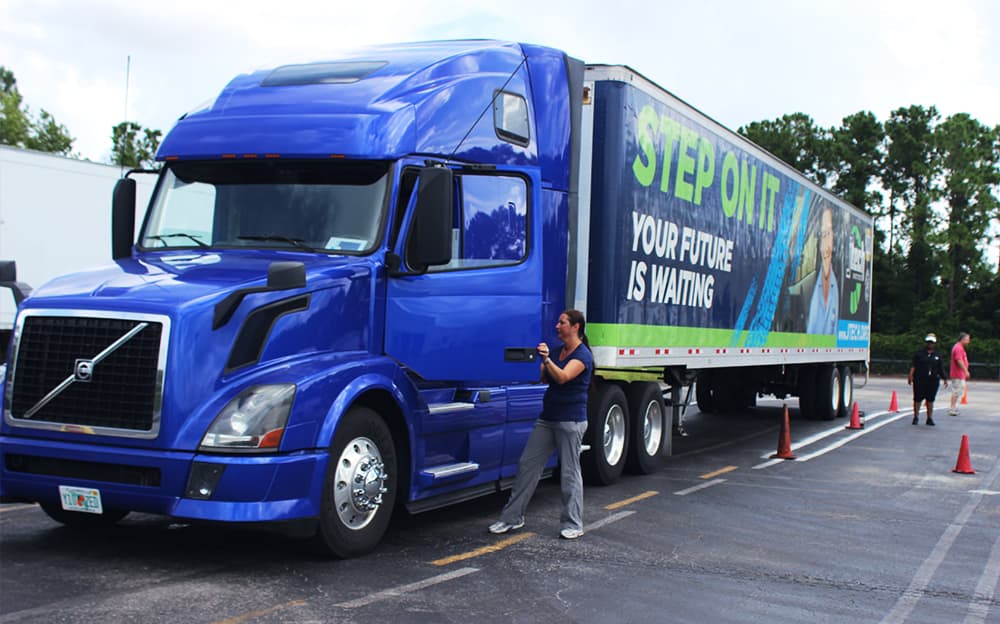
[520, 354]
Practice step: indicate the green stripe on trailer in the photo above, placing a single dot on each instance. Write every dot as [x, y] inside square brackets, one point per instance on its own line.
[630, 335]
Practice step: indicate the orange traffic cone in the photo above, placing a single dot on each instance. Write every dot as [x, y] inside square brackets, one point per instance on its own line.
[894, 402]
[855, 419]
[964, 466]
[965, 394]
[784, 440]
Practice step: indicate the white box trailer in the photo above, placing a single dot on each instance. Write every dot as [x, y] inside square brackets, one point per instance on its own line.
[55, 216]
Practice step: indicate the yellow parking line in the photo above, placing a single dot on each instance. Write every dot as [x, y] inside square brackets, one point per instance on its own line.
[485, 550]
[256, 614]
[719, 472]
[629, 501]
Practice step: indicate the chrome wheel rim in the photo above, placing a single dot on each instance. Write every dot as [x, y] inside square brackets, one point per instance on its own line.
[835, 393]
[848, 389]
[614, 434]
[652, 428]
[359, 483]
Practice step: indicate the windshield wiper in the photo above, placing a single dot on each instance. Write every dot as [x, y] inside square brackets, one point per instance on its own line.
[281, 239]
[162, 237]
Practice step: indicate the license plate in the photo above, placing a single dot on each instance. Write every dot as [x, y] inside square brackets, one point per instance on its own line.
[87, 500]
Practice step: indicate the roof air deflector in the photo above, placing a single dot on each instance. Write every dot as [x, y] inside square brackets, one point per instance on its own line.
[321, 73]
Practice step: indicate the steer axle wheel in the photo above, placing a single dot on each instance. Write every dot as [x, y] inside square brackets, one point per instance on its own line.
[360, 486]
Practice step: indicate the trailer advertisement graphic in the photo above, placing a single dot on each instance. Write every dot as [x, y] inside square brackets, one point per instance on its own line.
[714, 243]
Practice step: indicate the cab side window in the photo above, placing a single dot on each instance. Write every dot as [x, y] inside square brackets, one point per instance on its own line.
[490, 225]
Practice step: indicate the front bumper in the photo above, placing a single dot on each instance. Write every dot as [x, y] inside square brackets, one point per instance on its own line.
[251, 488]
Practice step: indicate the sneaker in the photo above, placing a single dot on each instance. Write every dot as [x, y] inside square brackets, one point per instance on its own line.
[570, 533]
[929, 423]
[500, 527]
[953, 412]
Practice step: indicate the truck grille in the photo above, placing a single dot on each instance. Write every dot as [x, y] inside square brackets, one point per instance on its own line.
[88, 372]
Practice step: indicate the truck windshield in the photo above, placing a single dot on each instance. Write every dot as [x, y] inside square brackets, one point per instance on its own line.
[315, 206]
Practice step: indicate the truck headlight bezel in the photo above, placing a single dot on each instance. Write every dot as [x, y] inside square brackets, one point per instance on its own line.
[252, 422]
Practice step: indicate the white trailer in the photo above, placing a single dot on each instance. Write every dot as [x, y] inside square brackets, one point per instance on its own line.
[55, 216]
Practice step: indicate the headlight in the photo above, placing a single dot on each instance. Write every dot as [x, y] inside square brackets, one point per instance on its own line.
[254, 420]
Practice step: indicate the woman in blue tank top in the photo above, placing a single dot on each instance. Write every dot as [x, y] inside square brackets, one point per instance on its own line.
[560, 427]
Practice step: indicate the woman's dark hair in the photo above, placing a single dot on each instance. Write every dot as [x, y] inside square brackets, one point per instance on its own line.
[576, 318]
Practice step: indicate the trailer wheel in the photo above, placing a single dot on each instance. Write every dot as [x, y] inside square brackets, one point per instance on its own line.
[828, 395]
[648, 420]
[807, 392]
[359, 489]
[705, 394]
[82, 520]
[607, 435]
[846, 390]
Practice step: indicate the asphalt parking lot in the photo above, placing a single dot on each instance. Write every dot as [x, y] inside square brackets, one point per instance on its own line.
[866, 525]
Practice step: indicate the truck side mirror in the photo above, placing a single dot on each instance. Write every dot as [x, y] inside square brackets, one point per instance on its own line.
[123, 219]
[429, 243]
[8, 279]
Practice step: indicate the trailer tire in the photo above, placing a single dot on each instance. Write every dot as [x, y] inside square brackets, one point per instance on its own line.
[82, 520]
[828, 395]
[705, 394]
[359, 489]
[807, 392]
[607, 434]
[648, 426]
[846, 390]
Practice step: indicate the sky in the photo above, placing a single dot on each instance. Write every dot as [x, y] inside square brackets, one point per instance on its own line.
[736, 61]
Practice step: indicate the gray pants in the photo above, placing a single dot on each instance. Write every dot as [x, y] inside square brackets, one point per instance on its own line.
[549, 436]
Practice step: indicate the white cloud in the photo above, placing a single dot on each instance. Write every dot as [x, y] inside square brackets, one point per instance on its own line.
[738, 62]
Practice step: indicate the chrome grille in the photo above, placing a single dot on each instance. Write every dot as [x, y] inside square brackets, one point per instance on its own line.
[101, 373]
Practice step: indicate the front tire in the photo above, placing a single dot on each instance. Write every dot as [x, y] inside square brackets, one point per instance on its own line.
[359, 490]
[607, 435]
[648, 416]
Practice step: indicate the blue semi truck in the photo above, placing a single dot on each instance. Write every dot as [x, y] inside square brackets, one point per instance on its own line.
[332, 305]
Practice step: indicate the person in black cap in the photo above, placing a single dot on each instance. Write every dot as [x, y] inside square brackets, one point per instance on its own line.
[926, 373]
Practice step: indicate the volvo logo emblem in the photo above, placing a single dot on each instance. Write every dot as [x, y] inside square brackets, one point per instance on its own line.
[83, 370]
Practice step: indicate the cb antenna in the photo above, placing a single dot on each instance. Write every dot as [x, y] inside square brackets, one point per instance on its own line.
[128, 67]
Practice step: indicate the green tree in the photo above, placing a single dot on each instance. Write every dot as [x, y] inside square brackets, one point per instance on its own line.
[970, 171]
[911, 163]
[19, 128]
[795, 139]
[855, 155]
[133, 145]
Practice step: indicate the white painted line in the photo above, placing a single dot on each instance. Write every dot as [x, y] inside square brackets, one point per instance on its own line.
[816, 437]
[905, 604]
[924, 574]
[985, 492]
[853, 436]
[707, 484]
[405, 589]
[621, 515]
[979, 609]
[769, 463]
[17, 507]
[835, 445]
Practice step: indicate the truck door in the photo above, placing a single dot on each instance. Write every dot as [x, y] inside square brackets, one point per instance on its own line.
[477, 317]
